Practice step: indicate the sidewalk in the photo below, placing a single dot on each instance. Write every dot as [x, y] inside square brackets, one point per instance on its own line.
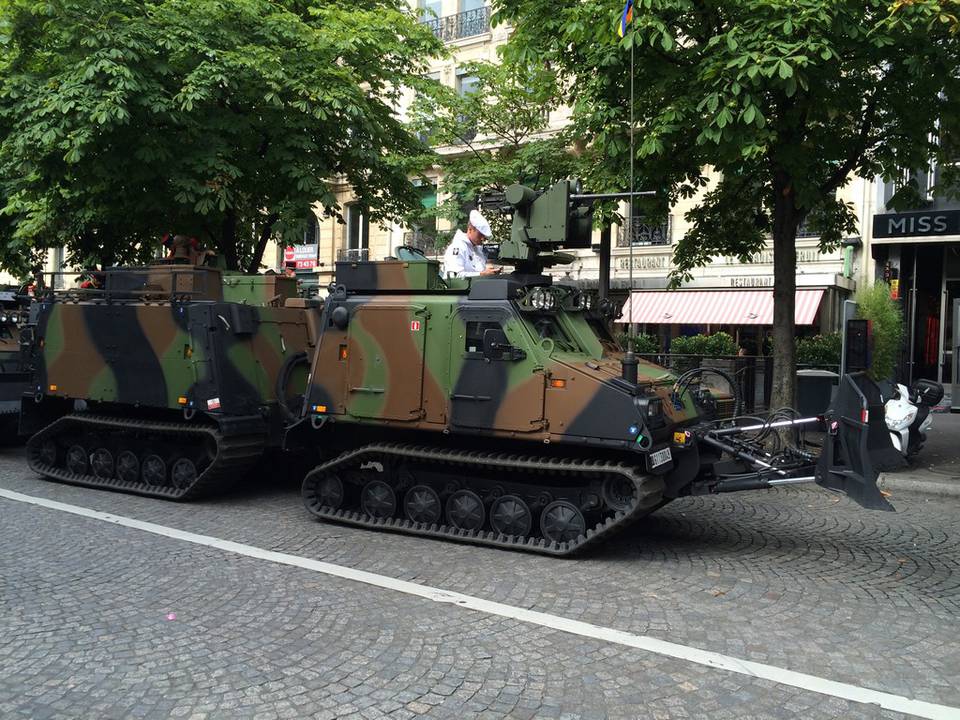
[936, 469]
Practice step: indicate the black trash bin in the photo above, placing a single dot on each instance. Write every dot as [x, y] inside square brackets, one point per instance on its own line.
[815, 391]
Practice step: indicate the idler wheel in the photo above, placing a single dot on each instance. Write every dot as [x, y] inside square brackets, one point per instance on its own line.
[128, 466]
[330, 492]
[510, 515]
[617, 492]
[378, 499]
[153, 470]
[48, 453]
[562, 521]
[465, 510]
[102, 463]
[421, 504]
[183, 474]
[77, 460]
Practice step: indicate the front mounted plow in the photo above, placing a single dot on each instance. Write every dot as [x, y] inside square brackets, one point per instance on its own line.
[841, 450]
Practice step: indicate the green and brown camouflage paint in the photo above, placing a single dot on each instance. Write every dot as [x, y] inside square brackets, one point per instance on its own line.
[404, 354]
[173, 343]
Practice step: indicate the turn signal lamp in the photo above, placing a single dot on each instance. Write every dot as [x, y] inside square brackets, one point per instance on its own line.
[320, 408]
[558, 383]
[53, 388]
[182, 400]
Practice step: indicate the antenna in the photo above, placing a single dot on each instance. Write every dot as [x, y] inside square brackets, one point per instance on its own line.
[630, 362]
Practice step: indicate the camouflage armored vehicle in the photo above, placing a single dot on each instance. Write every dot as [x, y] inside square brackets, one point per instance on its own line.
[486, 410]
[489, 411]
[14, 378]
[164, 381]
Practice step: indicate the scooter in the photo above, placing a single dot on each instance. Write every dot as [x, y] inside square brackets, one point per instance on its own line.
[907, 414]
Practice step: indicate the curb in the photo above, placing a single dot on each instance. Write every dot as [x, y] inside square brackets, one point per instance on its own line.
[924, 482]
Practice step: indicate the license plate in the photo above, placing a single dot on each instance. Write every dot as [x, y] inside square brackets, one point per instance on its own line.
[660, 457]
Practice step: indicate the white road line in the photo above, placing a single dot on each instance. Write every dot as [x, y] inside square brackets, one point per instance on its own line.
[775, 674]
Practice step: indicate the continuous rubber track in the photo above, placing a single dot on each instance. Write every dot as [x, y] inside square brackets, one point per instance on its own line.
[234, 452]
[647, 493]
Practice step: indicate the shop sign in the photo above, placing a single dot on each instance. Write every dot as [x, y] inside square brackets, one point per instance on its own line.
[752, 281]
[917, 224]
[646, 262]
[304, 256]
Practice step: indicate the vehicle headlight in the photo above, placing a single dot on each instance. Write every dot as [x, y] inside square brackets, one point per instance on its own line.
[549, 301]
[538, 298]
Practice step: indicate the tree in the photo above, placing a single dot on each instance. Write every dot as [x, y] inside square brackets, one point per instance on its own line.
[493, 136]
[123, 119]
[785, 99]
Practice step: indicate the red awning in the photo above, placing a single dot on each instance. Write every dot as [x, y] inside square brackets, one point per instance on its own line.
[714, 307]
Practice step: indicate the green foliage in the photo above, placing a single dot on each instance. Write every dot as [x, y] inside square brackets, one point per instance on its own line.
[759, 109]
[641, 343]
[719, 343]
[784, 99]
[122, 119]
[492, 137]
[875, 304]
[820, 350]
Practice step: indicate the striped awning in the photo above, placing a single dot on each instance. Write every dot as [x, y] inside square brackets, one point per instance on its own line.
[714, 307]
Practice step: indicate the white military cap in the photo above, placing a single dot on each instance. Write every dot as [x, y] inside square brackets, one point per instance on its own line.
[480, 223]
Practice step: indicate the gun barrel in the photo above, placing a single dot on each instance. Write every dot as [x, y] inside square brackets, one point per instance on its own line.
[613, 196]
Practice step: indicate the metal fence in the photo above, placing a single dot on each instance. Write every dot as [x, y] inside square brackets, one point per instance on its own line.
[752, 373]
[461, 25]
[353, 254]
[645, 233]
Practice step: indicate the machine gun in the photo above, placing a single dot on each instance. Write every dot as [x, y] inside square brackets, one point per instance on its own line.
[545, 223]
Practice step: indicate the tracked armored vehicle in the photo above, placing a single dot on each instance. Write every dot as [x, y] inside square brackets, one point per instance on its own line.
[14, 375]
[489, 410]
[163, 382]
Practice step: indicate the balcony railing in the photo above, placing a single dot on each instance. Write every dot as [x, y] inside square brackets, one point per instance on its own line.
[805, 231]
[425, 241]
[645, 233]
[461, 25]
[353, 254]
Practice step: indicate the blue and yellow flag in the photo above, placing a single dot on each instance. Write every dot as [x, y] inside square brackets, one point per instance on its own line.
[626, 18]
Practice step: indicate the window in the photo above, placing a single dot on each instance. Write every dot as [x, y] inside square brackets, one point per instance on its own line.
[473, 338]
[467, 84]
[312, 231]
[429, 9]
[468, 5]
[358, 228]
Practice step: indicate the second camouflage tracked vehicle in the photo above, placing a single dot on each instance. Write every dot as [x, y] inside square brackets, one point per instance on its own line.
[490, 411]
[163, 382]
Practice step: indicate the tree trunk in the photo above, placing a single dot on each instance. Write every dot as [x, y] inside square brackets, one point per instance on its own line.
[265, 232]
[228, 239]
[785, 221]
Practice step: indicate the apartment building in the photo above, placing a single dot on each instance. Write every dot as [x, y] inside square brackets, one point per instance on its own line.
[640, 256]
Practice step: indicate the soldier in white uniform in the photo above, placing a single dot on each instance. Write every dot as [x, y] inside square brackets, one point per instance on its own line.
[464, 256]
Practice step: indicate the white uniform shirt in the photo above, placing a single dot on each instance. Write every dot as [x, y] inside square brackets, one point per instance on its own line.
[463, 258]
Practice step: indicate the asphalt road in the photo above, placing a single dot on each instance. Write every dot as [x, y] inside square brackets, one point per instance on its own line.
[100, 620]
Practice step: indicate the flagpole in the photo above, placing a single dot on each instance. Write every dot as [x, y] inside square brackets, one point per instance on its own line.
[631, 333]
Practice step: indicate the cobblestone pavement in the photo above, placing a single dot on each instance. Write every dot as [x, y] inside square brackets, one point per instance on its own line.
[795, 578]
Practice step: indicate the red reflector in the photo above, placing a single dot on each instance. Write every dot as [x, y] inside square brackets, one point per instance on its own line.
[864, 416]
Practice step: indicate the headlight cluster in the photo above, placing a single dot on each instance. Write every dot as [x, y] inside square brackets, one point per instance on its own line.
[542, 299]
[13, 317]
